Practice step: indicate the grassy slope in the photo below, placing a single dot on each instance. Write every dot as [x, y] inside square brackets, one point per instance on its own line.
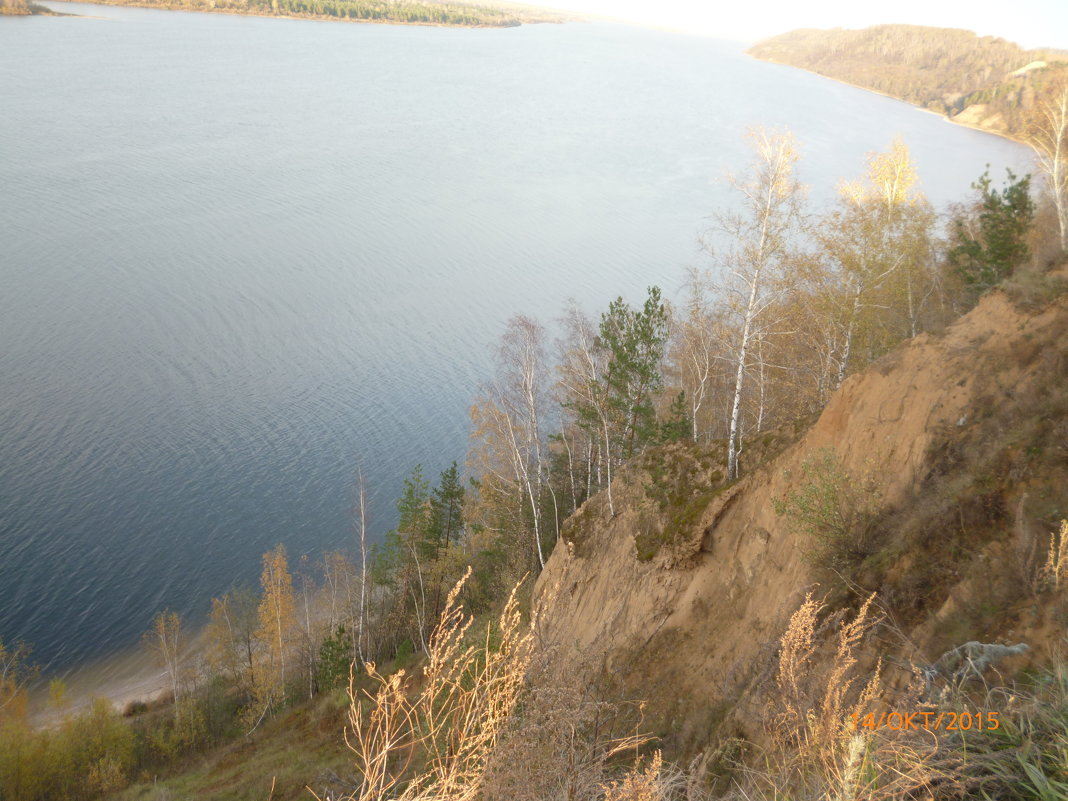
[301, 747]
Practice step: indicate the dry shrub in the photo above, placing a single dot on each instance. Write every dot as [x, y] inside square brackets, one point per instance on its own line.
[639, 784]
[562, 744]
[106, 775]
[433, 742]
[835, 510]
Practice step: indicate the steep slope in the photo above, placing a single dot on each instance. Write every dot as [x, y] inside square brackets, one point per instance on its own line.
[959, 442]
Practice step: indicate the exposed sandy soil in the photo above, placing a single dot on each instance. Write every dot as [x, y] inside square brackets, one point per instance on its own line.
[979, 116]
[699, 624]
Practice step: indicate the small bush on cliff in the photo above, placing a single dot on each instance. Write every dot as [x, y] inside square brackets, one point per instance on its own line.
[835, 510]
[683, 480]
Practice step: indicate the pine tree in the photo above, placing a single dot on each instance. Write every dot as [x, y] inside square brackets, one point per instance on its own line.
[402, 562]
[335, 660]
[984, 258]
[446, 526]
[413, 510]
[446, 509]
[678, 425]
[635, 342]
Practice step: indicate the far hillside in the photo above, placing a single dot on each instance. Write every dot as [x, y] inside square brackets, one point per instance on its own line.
[977, 80]
[20, 8]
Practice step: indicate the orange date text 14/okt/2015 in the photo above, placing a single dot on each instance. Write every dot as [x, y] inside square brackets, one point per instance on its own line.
[926, 721]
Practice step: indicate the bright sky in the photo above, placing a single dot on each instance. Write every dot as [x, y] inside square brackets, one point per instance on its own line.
[1030, 23]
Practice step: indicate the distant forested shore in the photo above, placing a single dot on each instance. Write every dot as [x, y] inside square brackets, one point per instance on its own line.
[981, 81]
[389, 11]
[23, 8]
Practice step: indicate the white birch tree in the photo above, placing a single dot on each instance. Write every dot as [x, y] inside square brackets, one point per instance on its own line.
[877, 245]
[1048, 137]
[754, 261]
[167, 641]
[361, 613]
[695, 352]
[584, 392]
[509, 423]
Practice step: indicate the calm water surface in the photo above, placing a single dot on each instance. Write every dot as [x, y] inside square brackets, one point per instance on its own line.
[242, 258]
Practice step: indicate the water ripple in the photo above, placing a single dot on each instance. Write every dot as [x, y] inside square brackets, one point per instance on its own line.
[276, 253]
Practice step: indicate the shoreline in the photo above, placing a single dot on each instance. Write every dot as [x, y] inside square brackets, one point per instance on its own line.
[312, 17]
[122, 677]
[944, 117]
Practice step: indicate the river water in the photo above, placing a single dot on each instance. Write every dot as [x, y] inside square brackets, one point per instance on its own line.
[243, 258]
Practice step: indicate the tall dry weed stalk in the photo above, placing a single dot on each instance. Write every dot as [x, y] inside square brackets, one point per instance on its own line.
[1055, 571]
[796, 647]
[431, 740]
[639, 784]
[815, 718]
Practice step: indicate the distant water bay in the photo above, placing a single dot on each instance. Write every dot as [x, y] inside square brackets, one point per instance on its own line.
[243, 257]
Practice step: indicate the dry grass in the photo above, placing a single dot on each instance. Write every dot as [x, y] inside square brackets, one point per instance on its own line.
[819, 752]
[658, 780]
[639, 784]
[434, 740]
[474, 726]
[562, 744]
[817, 706]
[816, 748]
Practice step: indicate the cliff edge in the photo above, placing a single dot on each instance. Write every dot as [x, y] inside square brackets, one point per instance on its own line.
[956, 445]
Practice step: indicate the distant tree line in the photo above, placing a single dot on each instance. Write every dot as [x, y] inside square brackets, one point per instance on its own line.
[401, 11]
